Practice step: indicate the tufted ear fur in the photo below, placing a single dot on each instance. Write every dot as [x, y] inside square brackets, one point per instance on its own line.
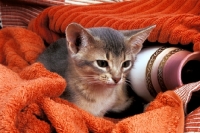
[77, 37]
[136, 38]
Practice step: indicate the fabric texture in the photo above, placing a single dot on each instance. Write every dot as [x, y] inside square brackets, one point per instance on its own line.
[30, 100]
[192, 121]
[176, 21]
[0, 24]
[20, 12]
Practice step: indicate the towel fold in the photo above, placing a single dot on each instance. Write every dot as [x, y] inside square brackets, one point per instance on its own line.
[19, 47]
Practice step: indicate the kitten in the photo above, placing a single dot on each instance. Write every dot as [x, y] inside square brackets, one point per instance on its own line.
[95, 63]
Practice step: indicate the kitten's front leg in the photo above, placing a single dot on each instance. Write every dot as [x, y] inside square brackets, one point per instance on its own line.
[122, 99]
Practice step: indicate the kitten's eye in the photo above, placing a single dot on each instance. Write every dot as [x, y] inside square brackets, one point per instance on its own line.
[102, 63]
[126, 64]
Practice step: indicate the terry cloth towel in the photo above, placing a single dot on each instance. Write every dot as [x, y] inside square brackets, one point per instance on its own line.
[176, 21]
[29, 97]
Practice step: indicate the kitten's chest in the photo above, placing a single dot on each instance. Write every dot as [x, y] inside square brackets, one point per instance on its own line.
[99, 105]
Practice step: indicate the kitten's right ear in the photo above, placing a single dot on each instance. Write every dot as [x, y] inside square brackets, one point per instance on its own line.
[77, 37]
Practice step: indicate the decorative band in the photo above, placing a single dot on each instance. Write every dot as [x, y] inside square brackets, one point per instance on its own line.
[150, 63]
[161, 66]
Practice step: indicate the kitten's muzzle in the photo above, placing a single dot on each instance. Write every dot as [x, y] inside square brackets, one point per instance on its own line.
[116, 79]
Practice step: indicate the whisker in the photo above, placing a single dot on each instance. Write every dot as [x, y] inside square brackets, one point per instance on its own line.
[128, 82]
[130, 86]
[92, 82]
[85, 78]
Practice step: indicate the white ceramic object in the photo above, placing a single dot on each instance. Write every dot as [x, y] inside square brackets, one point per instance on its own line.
[159, 69]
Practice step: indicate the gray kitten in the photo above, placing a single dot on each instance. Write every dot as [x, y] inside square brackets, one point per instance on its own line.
[95, 63]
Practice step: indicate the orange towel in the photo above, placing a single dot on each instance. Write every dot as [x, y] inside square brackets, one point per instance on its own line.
[177, 21]
[19, 48]
[29, 97]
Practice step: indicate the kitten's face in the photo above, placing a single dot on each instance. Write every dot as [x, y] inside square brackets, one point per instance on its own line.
[103, 56]
[101, 67]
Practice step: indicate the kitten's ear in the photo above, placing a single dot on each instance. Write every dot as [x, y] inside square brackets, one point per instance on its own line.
[77, 37]
[136, 38]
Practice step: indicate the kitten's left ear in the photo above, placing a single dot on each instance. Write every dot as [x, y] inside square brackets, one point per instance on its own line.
[137, 38]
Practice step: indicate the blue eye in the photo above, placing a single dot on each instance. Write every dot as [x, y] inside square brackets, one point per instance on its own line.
[126, 64]
[102, 63]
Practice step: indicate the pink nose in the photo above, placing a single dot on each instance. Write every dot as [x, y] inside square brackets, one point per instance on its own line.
[116, 80]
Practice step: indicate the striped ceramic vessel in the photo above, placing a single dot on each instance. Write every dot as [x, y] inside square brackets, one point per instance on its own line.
[159, 69]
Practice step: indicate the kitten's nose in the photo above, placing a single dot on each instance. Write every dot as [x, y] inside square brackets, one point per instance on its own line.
[116, 79]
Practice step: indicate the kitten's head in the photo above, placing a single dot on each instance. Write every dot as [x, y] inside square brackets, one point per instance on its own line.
[104, 56]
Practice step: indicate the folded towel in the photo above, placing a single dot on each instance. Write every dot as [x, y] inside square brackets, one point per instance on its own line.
[177, 21]
[30, 100]
[19, 47]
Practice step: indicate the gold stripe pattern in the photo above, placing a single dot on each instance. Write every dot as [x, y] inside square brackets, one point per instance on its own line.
[161, 66]
[150, 63]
